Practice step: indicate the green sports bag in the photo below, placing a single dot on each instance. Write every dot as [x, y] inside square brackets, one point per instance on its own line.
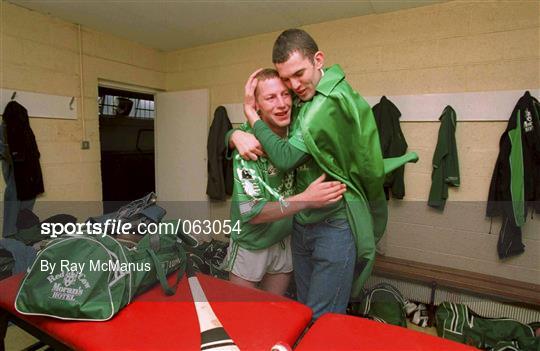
[383, 303]
[459, 323]
[88, 277]
[206, 257]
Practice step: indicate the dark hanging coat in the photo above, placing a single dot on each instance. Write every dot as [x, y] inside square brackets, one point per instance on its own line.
[515, 185]
[393, 144]
[519, 149]
[445, 161]
[220, 174]
[24, 152]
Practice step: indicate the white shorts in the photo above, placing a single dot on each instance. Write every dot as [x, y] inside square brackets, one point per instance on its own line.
[252, 265]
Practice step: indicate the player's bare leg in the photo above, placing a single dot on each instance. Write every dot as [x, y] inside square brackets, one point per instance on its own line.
[242, 282]
[276, 283]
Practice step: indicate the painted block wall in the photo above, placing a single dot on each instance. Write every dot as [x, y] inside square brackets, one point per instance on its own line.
[40, 53]
[460, 46]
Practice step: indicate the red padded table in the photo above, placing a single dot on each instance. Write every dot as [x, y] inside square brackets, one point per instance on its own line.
[339, 332]
[254, 319]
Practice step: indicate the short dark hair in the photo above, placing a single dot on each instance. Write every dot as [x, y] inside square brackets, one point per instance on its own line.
[265, 74]
[293, 40]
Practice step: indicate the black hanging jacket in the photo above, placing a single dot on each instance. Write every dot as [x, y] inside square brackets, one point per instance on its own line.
[515, 184]
[24, 152]
[220, 174]
[393, 144]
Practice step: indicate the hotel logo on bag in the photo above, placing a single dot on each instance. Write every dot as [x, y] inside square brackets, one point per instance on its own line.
[62, 285]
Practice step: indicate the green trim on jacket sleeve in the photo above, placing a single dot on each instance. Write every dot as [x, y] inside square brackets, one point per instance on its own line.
[517, 173]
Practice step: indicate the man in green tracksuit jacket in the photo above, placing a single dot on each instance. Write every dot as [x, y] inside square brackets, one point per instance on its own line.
[334, 133]
[263, 200]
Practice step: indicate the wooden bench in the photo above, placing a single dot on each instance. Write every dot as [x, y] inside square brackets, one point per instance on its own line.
[506, 290]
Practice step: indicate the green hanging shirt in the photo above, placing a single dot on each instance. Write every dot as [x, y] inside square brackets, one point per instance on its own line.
[255, 184]
[445, 161]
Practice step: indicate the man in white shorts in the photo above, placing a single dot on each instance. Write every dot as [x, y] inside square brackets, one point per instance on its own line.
[263, 200]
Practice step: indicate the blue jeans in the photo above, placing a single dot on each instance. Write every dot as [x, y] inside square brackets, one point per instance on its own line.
[324, 256]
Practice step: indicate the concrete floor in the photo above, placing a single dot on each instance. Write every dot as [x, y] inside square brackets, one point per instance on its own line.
[17, 339]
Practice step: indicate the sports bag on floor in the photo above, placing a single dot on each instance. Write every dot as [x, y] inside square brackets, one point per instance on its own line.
[459, 323]
[383, 303]
[90, 277]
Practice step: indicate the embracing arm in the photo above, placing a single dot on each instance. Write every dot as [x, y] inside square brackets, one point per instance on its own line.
[318, 194]
[246, 143]
[283, 155]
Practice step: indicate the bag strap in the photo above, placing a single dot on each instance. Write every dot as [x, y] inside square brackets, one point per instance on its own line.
[168, 290]
[136, 206]
[155, 242]
[154, 213]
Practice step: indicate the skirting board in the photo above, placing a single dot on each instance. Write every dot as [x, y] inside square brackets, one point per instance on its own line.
[41, 105]
[474, 106]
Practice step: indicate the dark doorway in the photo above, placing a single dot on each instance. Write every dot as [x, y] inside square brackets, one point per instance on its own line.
[126, 129]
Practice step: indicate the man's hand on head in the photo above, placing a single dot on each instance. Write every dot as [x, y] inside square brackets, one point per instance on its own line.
[247, 145]
[250, 109]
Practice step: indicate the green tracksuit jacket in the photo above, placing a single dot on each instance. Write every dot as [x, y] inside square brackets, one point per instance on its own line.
[445, 161]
